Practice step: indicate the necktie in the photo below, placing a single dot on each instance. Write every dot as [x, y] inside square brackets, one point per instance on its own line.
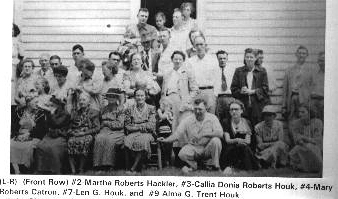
[146, 61]
[224, 82]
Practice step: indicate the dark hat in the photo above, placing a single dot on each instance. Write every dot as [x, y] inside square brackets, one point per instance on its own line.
[114, 92]
[269, 109]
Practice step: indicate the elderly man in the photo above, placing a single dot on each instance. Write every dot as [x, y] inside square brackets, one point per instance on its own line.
[202, 132]
[45, 70]
[135, 31]
[297, 84]
[206, 70]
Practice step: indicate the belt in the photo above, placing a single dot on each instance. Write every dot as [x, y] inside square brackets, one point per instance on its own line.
[206, 87]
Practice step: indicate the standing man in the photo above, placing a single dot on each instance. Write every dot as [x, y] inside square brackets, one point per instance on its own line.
[203, 132]
[205, 67]
[297, 84]
[150, 55]
[74, 70]
[165, 64]
[55, 61]
[317, 94]
[222, 87]
[135, 31]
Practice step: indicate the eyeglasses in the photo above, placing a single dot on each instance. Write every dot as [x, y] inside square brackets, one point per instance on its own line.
[235, 109]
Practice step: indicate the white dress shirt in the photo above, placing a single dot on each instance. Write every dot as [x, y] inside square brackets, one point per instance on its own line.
[218, 81]
[205, 69]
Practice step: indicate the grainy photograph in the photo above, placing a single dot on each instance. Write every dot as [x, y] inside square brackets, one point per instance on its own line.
[227, 88]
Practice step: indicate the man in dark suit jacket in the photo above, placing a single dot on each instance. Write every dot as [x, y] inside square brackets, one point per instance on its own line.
[150, 55]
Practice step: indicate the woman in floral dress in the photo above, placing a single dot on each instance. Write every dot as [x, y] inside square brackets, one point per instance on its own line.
[84, 124]
[140, 123]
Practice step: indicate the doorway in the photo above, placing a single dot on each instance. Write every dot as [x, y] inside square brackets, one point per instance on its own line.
[165, 6]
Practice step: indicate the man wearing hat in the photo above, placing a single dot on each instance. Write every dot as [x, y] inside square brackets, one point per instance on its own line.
[271, 148]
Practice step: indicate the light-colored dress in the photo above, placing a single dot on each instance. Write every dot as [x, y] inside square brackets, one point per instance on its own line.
[84, 120]
[277, 152]
[135, 118]
[17, 49]
[111, 137]
[307, 154]
[22, 150]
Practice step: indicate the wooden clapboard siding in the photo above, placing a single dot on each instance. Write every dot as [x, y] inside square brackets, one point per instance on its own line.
[276, 26]
[54, 26]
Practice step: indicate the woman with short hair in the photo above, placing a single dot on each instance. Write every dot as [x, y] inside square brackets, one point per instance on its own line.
[84, 125]
[239, 147]
[307, 134]
[140, 124]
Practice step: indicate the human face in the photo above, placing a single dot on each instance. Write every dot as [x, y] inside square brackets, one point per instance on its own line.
[136, 62]
[222, 59]
[146, 45]
[140, 97]
[160, 22]
[77, 53]
[321, 60]
[115, 59]
[235, 111]
[164, 37]
[43, 61]
[249, 59]
[194, 35]
[87, 74]
[186, 11]
[60, 79]
[177, 18]
[142, 17]
[105, 71]
[301, 55]
[83, 101]
[303, 113]
[199, 111]
[55, 63]
[27, 68]
[200, 45]
[177, 60]
[268, 117]
[260, 58]
[112, 99]
[39, 85]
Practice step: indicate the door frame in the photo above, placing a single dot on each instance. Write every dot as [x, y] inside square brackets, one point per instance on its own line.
[200, 15]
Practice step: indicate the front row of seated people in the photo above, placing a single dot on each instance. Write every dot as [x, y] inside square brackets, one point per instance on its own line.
[57, 137]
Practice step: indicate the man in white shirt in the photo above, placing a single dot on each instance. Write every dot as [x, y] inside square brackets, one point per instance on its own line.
[222, 86]
[45, 70]
[202, 132]
[205, 67]
[74, 71]
[165, 63]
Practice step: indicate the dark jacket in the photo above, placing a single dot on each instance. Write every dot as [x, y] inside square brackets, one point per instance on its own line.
[256, 101]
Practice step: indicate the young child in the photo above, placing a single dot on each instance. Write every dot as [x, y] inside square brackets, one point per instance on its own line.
[165, 115]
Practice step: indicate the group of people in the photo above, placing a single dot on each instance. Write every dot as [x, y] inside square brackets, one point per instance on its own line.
[163, 86]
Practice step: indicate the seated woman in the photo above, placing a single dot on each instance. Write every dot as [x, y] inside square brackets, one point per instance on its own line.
[111, 136]
[32, 126]
[307, 154]
[238, 150]
[136, 77]
[51, 152]
[140, 123]
[271, 148]
[84, 124]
